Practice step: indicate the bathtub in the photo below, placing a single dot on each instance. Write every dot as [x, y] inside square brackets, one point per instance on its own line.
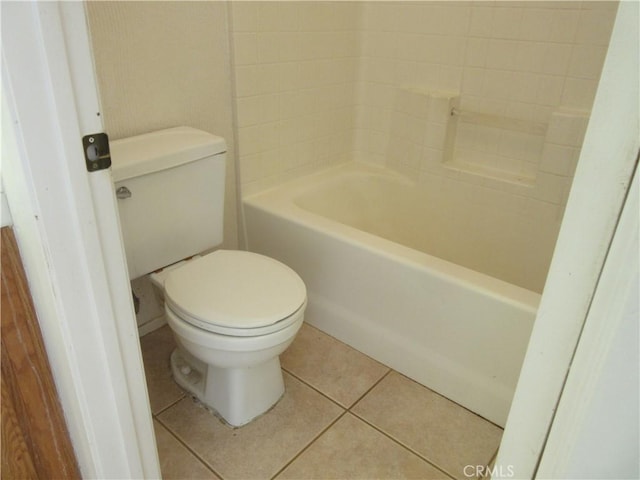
[354, 233]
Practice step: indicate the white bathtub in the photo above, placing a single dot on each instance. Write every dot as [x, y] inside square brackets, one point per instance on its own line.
[355, 233]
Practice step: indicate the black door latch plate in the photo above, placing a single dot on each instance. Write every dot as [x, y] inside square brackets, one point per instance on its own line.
[96, 151]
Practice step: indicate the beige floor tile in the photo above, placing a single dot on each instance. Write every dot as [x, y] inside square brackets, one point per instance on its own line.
[156, 349]
[175, 460]
[261, 448]
[351, 449]
[335, 369]
[441, 431]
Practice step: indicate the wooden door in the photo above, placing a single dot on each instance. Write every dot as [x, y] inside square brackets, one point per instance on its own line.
[35, 440]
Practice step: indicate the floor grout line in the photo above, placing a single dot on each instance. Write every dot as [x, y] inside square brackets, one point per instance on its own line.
[295, 457]
[406, 447]
[164, 409]
[315, 389]
[344, 411]
[348, 410]
[389, 370]
[186, 445]
[449, 400]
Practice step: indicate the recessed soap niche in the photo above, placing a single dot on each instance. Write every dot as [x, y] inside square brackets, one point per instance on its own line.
[435, 132]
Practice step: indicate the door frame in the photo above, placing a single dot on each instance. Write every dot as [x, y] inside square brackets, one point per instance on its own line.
[65, 220]
[598, 194]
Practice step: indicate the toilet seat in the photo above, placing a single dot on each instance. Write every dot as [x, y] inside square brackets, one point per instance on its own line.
[235, 293]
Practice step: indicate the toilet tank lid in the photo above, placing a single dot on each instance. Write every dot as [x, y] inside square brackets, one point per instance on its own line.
[155, 151]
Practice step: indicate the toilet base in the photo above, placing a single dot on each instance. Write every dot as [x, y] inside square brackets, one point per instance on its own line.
[238, 395]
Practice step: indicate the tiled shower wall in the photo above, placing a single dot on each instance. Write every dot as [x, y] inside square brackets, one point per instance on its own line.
[317, 83]
[521, 61]
[521, 76]
[295, 66]
[320, 83]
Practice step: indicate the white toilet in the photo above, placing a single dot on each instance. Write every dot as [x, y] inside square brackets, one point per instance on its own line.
[232, 312]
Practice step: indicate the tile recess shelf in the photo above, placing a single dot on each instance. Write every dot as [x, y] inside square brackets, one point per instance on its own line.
[488, 172]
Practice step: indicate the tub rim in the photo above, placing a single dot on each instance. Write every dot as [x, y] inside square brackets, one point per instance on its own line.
[279, 200]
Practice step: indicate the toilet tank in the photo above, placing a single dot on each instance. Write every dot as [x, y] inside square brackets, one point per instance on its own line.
[170, 189]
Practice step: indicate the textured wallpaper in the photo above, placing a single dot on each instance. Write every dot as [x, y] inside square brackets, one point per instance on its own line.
[165, 64]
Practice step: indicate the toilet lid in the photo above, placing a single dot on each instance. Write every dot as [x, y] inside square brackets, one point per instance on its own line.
[234, 289]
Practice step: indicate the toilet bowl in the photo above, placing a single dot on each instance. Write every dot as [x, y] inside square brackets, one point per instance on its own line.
[232, 314]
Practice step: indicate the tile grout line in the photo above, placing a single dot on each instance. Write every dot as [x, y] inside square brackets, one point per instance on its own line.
[409, 448]
[348, 410]
[164, 409]
[346, 345]
[296, 456]
[389, 370]
[313, 440]
[189, 449]
[397, 442]
[315, 389]
[452, 401]
[405, 447]
[345, 410]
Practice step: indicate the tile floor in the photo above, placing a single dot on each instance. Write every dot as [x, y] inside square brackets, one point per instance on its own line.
[343, 416]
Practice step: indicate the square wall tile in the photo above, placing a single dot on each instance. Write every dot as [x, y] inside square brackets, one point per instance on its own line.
[502, 54]
[245, 48]
[551, 188]
[481, 21]
[278, 16]
[244, 16]
[550, 90]
[565, 24]
[556, 58]
[579, 92]
[559, 159]
[506, 22]
[476, 54]
[595, 24]
[587, 61]
[567, 128]
[536, 24]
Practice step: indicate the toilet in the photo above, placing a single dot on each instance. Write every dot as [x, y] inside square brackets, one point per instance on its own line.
[232, 313]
